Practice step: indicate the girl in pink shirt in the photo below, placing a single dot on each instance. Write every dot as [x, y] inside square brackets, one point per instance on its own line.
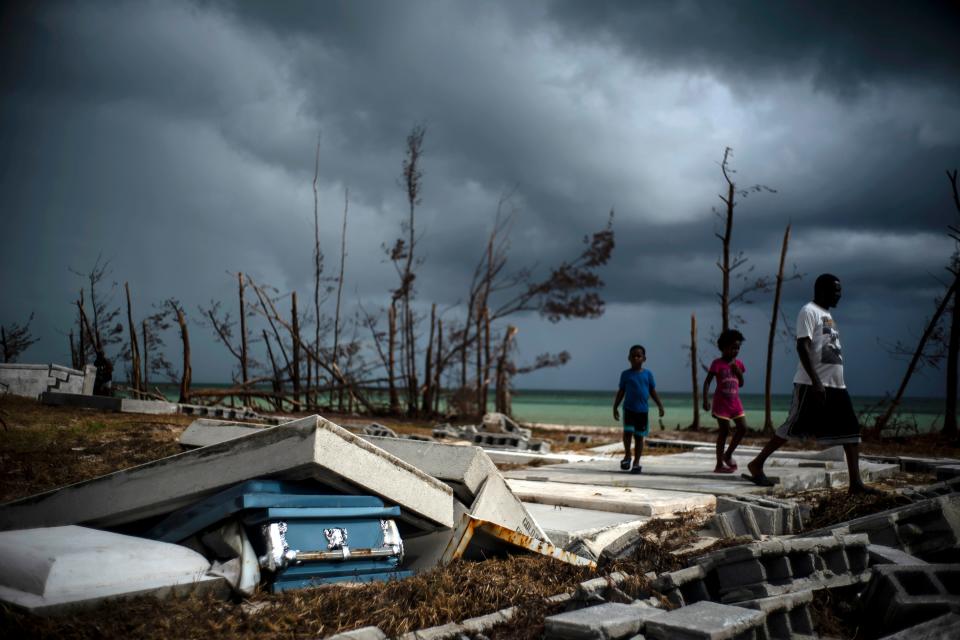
[726, 407]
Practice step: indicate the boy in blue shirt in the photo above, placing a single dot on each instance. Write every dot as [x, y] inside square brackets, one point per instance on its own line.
[636, 386]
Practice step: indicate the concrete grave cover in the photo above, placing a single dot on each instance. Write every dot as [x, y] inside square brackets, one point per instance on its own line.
[56, 569]
[311, 448]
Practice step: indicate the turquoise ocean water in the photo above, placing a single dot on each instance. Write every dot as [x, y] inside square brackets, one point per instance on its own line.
[594, 408]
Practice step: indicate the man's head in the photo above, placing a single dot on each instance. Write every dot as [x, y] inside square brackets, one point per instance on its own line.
[637, 356]
[826, 290]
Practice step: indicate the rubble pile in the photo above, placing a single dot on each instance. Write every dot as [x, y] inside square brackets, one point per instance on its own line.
[248, 508]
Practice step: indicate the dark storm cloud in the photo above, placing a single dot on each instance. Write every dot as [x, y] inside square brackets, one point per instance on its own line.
[179, 139]
[844, 46]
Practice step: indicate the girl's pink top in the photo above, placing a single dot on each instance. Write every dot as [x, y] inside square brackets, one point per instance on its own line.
[726, 398]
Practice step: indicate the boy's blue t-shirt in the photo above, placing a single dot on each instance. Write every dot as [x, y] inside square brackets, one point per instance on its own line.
[636, 386]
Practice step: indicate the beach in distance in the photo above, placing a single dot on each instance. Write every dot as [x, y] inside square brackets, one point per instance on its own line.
[594, 409]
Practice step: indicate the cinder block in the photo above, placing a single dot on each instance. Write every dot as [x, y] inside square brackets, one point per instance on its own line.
[707, 621]
[889, 555]
[945, 627]
[786, 616]
[901, 596]
[608, 620]
[929, 529]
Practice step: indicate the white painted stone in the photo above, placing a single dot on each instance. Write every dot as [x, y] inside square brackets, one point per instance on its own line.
[643, 502]
[153, 407]
[497, 503]
[309, 448]
[53, 570]
[204, 432]
[566, 524]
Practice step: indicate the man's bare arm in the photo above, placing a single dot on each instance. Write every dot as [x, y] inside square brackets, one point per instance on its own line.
[804, 348]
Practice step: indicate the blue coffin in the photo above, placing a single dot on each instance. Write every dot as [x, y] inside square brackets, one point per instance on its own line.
[302, 538]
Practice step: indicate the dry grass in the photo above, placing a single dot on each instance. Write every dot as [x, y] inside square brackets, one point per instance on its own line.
[460, 591]
[833, 506]
[44, 447]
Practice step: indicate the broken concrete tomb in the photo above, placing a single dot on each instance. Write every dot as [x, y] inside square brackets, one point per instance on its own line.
[309, 449]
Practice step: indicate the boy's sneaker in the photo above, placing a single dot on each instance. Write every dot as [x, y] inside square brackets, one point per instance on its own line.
[625, 464]
[730, 463]
[722, 468]
[635, 469]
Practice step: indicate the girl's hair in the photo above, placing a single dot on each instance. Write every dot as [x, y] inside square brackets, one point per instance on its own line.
[728, 337]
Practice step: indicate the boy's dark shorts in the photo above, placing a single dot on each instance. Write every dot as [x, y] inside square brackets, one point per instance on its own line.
[830, 421]
[636, 422]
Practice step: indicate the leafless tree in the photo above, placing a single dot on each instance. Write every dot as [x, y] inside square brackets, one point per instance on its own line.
[730, 266]
[15, 339]
[774, 317]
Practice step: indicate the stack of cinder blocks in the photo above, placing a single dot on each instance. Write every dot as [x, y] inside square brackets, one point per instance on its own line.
[755, 516]
[927, 529]
[901, 596]
[769, 568]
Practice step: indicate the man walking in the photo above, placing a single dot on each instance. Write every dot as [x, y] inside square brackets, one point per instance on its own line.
[821, 407]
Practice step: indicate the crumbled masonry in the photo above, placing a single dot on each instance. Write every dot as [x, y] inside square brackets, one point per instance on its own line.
[750, 568]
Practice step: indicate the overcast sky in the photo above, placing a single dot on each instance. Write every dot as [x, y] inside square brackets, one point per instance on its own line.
[177, 139]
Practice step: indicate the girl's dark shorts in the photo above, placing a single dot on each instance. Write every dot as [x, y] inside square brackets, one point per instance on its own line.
[829, 420]
[636, 422]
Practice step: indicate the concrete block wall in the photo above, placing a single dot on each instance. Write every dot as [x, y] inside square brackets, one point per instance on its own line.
[769, 568]
[787, 616]
[901, 596]
[927, 529]
[579, 438]
[501, 441]
[31, 380]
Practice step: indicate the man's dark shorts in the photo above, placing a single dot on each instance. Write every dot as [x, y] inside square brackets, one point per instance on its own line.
[636, 422]
[830, 420]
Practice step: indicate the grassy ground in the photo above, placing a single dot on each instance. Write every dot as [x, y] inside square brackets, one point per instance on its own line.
[42, 448]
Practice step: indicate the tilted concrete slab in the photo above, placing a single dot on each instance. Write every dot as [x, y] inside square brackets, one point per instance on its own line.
[471, 474]
[496, 503]
[595, 529]
[464, 468]
[646, 502]
[204, 432]
[60, 569]
[309, 448]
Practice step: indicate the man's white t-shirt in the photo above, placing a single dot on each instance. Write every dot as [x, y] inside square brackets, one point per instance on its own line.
[816, 323]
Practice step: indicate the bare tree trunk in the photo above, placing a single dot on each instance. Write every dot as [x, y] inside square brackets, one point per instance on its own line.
[244, 374]
[953, 344]
[767, 396]
[295, 323]
[277, 389]
[727, 235]
[74, 359]
[82, 349]
[439, 368]
[391, 358]
[895, 402]
[427, 404]
[146, 356]
[412, 381]
[502, 392]
[317, 271]
[481, 399]
[693, 373]
[343, 257]
[187, 374]
[485, 392]
[134, 346]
